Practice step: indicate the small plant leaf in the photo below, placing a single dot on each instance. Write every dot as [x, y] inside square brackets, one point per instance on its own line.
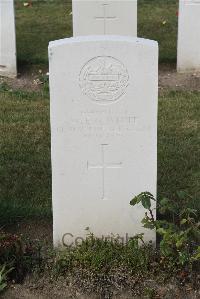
[161, 231]
[183, 221]
[134, 201]
[146, 202]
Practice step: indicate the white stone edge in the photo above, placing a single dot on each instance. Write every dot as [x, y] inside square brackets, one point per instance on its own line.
[99, 38]
[107, 0]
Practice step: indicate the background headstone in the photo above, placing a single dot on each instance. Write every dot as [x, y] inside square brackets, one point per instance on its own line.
[105, 17]
[104, 133]
[8, 66]
[189, 36]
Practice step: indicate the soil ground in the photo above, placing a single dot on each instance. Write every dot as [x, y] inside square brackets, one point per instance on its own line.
[79, 286]
[168, 79]
[34, 287]
[62, 291]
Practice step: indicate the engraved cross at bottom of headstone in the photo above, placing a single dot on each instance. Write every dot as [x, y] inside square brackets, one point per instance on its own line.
[104, 18]
[103, 166]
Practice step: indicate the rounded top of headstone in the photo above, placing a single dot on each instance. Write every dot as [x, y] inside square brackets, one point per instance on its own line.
[103, 38]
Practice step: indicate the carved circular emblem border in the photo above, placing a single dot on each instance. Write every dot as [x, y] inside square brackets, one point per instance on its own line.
[104, 79]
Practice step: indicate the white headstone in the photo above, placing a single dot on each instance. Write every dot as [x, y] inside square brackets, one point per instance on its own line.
[104, 133]
[8, 66]
[104, 17]
[189, 36]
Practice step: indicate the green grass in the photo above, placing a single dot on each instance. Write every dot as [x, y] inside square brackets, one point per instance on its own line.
[25, 171]
[103, 256]
[179, 144]
[157, 20]
[50, 20]
[37, 25]
[25, 168]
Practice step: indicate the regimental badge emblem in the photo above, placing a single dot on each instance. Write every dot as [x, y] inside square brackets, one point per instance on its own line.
[104, 79]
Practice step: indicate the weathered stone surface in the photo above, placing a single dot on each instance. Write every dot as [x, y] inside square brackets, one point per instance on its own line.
[189, 36]
[105, 17]
[104, 134]
[8, 66]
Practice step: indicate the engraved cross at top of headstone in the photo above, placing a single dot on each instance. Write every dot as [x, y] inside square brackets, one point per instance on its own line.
[103, 166]
[104, 18]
